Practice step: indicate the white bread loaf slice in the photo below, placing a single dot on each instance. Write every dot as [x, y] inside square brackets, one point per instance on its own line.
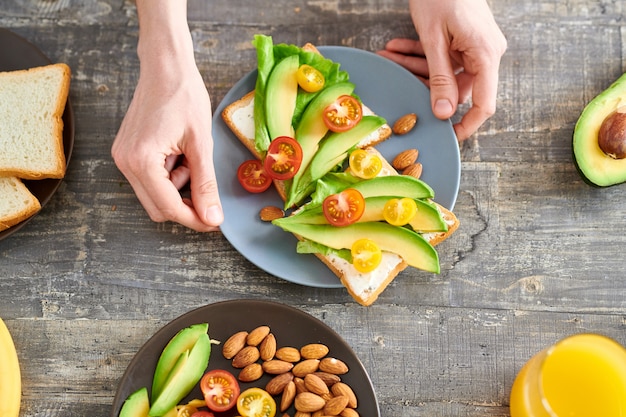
[32, 103]
[17, 202]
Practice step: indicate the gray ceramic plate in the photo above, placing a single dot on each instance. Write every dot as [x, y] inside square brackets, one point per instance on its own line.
[290, 326]
[390, 91]
[17, 53]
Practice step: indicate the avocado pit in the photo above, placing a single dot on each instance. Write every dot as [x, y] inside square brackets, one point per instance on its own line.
[612, 134]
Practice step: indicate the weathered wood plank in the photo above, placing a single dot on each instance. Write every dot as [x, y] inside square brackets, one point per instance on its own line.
[539, 254]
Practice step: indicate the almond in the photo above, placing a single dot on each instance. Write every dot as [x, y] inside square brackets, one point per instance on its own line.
[234, 344]
[246, 356]
[269, 213]
[277, 367]
[314, 384]
[414, 170]
[257, 335]
[251, 373]
[267, 348]
[328, 378]
[341, 388]
[277, 384]
[349, 412]
[288, 354]
[333, 366]
[301, 414]
[309, 402]
[404, 159]
[404, 124]
[305, 367]
[335, 405]
[289, 393]
[314, 351]
[300, 387]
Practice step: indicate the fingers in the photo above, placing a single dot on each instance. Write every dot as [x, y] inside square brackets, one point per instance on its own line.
[417, 66]
[444, 90]
[162, 201]
[405, 46]
[484, 93]
[204, 191]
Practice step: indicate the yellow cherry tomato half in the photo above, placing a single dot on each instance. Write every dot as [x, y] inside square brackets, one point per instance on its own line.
[364, 164]
[399, 211]
[256, 402]
[310, 79]
[366, 255]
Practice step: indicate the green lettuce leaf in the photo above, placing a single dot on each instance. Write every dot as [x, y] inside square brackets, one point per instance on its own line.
[268, 55]
[331, 183]
[265, 64]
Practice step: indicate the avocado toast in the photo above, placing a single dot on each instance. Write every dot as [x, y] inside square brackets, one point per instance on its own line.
[322, 173]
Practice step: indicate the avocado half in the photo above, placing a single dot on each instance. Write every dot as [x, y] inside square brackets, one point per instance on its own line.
[594, 165]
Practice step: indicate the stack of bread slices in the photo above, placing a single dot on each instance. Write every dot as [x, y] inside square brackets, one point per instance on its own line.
[32, 103]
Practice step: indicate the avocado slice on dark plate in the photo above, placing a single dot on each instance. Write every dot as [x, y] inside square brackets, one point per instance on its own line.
[599, 142]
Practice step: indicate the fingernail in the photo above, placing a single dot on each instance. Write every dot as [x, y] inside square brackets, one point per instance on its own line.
[213, 215]
[443, 108]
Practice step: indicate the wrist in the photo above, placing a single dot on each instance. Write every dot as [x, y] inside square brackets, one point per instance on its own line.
[164, 36]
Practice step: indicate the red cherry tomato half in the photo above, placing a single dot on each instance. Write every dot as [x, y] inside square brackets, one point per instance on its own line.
[343, 114]
[252, 176]
[220, 390]
[344, 208]
[283, 158]
[202, 414]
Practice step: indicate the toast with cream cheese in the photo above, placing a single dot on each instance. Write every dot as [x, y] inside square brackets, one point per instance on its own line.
[363, 287]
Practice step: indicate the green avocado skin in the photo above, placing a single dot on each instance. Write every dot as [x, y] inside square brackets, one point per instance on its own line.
[595, 167]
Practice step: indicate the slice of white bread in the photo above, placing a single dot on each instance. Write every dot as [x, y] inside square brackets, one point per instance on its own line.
[32, 103]
[17, 202]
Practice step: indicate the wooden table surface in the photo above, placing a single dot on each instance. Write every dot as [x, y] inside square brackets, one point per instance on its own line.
[539, 254]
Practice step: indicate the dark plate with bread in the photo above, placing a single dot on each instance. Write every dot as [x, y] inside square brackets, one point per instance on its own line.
[17, 53]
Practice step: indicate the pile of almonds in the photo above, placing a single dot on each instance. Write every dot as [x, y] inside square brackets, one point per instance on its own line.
[304, 377]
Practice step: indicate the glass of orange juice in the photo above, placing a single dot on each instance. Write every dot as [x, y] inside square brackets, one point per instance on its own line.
[581, 375]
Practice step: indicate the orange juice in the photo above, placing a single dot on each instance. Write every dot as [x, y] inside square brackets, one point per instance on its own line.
[582, 375]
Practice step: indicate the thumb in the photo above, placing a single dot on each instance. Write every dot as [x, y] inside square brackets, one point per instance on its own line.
[444, 92]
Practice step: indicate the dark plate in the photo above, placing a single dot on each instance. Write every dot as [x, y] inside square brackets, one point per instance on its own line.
[390, 91]
[17, 53]
[292, 327]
